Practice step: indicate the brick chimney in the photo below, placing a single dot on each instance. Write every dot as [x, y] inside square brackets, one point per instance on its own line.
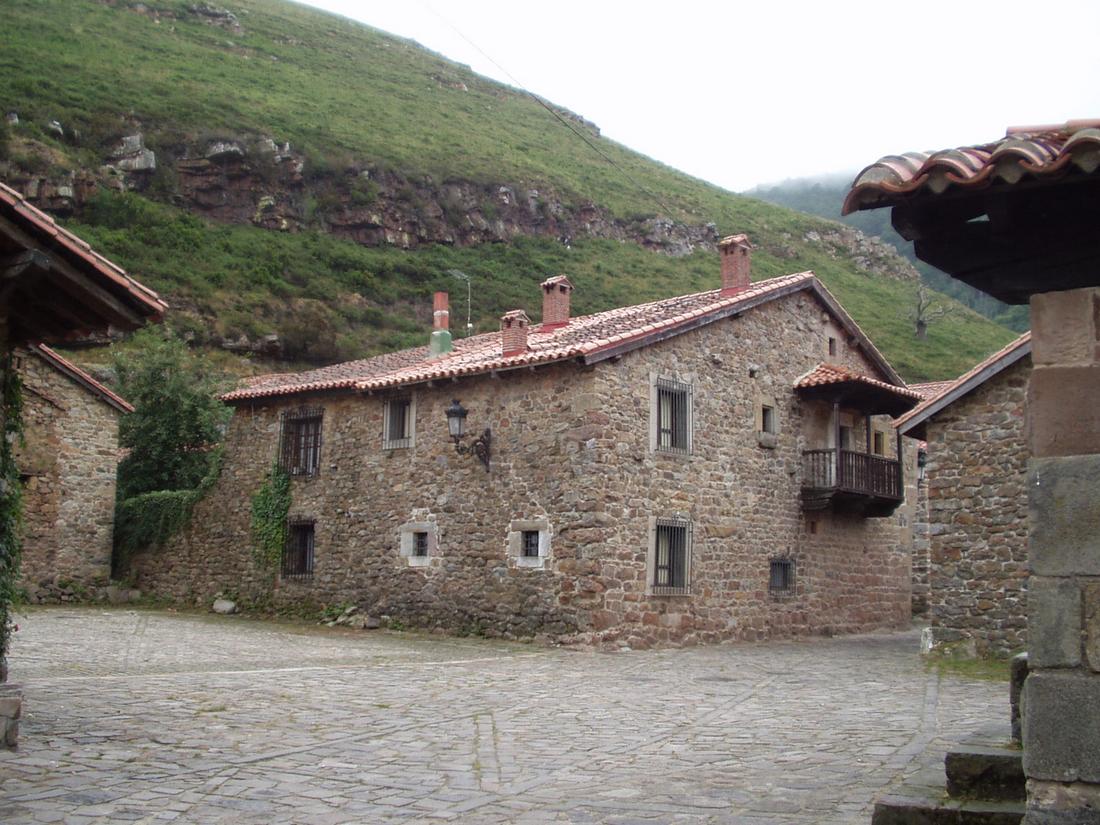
[555, 302]
[736, 252]
[440, 342]
[513, 332]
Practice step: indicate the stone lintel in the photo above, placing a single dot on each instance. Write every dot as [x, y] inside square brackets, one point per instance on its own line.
[1062, 726]
[1054, 622]
[1063, 408]
[1064, 516]
[1063, 327]
[1058, 803]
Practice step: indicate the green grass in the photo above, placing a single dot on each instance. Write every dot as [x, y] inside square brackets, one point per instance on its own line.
[986, 670]
[347, 94]
[332, 299]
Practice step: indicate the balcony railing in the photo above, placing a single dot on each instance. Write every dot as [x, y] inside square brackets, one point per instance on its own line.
[850, 472]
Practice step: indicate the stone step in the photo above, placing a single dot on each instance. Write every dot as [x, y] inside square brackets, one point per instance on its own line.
[933, 810]
[986, 773]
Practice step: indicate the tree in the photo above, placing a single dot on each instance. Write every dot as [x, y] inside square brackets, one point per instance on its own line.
[177, 420]
[925, 310]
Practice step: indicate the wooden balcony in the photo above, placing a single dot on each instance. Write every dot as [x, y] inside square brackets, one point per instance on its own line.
[850, 482]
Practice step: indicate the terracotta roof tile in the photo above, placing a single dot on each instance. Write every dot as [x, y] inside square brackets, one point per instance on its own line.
[930, 388]
[933, 403]
[1024, 152]
[67, 367]
[147, 301]
[584, 336]
[826, 374]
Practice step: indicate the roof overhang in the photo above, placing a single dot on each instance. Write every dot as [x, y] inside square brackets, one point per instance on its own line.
[914, 423]
[1011, 218]
[868, 398]
[78, 376]
[54, 287]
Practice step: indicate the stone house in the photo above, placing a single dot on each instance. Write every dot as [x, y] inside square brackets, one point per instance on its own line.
[54, 287]
[712, 466]
[975, 476]
[67, 463]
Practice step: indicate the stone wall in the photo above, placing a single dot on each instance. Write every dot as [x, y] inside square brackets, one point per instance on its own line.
[741, 492]
[922, 547]
[68, 465]
[1061, 701]
[571, 458]
[977, 513]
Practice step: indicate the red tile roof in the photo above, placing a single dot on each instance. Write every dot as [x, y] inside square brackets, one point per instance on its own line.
[143, 300]
[67, 367]
[930, 388]
[589, 338]
[974, 377]
[825, 374]
[1025, 152]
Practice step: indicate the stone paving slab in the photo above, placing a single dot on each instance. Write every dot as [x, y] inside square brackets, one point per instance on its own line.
[150, 717]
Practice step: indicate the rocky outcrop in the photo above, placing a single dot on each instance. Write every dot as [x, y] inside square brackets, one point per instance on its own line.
[262, 181]
[870, 254]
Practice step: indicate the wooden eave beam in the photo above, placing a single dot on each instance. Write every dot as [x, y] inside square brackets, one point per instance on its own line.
[77, 284]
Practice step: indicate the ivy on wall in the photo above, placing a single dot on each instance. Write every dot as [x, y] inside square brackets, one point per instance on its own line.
[148, 520]
[11, 499]
[270, 507]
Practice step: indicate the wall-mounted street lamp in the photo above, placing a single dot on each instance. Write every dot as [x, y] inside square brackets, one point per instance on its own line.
[456, 423]
[922, 462]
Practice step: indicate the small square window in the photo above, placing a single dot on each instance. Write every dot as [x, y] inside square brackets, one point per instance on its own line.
[671, 558]
[297, 562]
[673, 416]
[300, 443]
[781, 576]
[832, 346]
[398, 424]
[767, 419]
[418, 543]
[527, 543]
[530, 544]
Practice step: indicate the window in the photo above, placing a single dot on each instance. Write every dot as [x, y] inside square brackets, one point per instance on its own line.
[300, 448]
[418, 541]
[530, 542]
[879, 443]
[670, 557]
[832, 345]
[298, 550]
[399, 423]
[672, 416]
[781, 576]
[767, 419]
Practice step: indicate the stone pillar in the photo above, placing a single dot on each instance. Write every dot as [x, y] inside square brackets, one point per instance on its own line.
[11, 709]
[1061, 697]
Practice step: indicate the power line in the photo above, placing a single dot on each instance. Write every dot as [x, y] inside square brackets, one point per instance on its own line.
[552, 111]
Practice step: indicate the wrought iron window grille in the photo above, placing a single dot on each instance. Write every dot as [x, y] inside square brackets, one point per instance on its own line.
[297, 561]
[300, 438]
[671, 567]
[673, 415]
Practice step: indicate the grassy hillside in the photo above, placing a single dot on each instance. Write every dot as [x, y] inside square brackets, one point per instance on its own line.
[331, 299]
[345, 94]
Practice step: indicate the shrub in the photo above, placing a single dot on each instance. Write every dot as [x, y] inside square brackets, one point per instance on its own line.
[177, 417]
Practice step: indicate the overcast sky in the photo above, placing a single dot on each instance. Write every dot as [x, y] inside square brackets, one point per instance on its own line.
[741, 94]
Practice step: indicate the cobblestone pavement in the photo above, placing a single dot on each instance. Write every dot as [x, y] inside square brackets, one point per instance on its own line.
[147, 716]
